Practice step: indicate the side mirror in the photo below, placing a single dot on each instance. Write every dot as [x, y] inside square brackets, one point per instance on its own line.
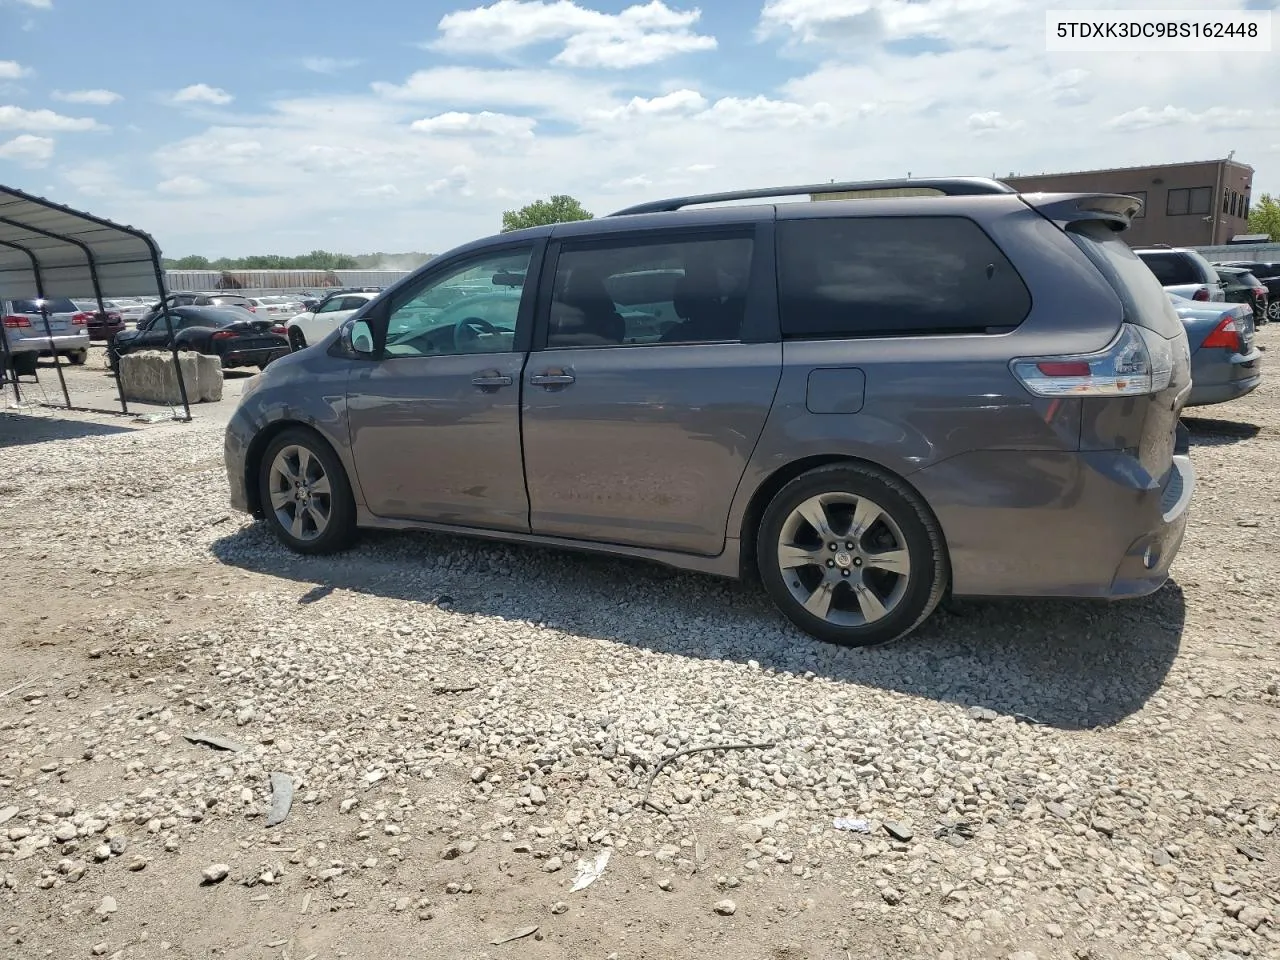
[357, 337]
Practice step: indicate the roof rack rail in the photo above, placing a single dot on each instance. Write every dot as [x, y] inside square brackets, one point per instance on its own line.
[948, 186]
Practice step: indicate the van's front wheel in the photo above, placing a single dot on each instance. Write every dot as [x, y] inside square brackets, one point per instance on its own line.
[851, 555]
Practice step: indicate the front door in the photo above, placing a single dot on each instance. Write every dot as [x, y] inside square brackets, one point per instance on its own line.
[645, 400]
[435, 423]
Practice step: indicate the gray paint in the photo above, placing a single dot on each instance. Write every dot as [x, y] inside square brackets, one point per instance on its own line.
[657, 451]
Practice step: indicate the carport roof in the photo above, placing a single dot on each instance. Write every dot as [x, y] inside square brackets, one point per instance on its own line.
[69, 247]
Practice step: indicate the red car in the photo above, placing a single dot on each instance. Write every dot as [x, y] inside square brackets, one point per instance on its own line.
[104, 326]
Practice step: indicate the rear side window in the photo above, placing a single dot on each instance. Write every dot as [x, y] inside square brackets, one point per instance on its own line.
[894, 276]
[660, 290]
[1172, 269]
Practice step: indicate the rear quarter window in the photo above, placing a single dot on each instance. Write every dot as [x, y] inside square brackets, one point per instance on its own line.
[894, 276]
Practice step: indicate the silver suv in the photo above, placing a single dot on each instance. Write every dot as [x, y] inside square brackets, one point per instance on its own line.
[1183, 272]
[26, 338]
[867, 402]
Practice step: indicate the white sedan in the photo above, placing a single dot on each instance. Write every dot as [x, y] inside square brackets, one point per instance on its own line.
[312, 327]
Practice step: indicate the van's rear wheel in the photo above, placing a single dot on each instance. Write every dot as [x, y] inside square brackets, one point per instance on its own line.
[851, 555]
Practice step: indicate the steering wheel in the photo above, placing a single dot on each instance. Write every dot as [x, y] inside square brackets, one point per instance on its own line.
[469, 329]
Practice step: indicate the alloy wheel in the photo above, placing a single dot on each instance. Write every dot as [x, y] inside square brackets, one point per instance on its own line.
[844, 559]
[301, 494]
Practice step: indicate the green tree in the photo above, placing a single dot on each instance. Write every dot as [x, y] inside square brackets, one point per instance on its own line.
[1264, 217]
[193, 262]
[559, 209]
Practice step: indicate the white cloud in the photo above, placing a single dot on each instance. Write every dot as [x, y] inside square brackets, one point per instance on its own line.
[17, 118]
[991, 121]
[483, 124]
[1215, 118]
[38, 4]
[554, 92]
[12, 70]
[202, 93]
[28, 150]
[328, 64]
[842, 22]
[761, 113]
[670, 104]
[639, 35]
[183, 186]
[97, 98]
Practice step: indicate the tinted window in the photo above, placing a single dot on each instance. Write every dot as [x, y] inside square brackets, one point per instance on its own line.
[1128, 275]
[876, 276]
[665, 291]
[1171, 269]
[353, 303]
[52, 304]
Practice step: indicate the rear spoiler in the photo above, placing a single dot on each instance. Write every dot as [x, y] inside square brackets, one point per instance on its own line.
[1115, 210]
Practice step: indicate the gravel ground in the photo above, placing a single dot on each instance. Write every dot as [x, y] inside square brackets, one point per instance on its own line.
[466, 726]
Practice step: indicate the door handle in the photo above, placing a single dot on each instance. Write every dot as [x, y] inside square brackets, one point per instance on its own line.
[491, 380]
[551, 379]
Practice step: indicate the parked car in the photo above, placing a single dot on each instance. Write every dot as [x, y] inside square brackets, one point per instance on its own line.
[1241, 286]
[27, 339]
[128, 311]
[240, 341]
[184, 299]
[1269, 273]
[1225, 363]
[872, 403]
[312, 326]
[1183, 272]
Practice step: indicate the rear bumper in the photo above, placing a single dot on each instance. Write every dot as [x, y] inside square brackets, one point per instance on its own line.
[1202, 396]
[254, 357]
[62, 343]
[235, 452]
[1058, 524]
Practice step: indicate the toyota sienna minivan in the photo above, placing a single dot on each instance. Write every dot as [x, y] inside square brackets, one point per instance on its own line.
[870, 402]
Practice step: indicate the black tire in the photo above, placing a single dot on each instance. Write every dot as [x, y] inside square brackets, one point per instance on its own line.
[296, 340]
[78, 357]
[25, 364]
[928, 573]
[341, 527]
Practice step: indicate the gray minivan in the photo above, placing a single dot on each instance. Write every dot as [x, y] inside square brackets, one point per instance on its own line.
[869, 402]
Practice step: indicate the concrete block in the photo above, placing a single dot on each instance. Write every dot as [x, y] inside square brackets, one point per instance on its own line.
[149, 377]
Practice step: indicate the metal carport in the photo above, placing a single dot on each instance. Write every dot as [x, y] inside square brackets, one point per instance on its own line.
[47, 249]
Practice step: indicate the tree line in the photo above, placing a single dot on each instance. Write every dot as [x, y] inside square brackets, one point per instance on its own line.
[315, 260]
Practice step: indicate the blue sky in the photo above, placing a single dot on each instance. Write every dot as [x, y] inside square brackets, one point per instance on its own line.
[280, 126]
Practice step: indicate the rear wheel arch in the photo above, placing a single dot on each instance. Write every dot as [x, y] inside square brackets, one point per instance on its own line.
[773, 484]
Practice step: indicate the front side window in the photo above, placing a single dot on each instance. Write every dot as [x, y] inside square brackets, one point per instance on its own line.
[471, 308]
[894, 276]
[330, 306]
[667, 291]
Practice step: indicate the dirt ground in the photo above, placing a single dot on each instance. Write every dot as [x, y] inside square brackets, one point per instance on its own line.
[464, 724]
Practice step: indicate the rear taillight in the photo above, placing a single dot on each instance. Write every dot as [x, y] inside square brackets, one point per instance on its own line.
[16, 320]
[80, 319]
[1226, 334]
[251, 308]
[279, 329]
[1137, 361]
[1202, 294]
[1259, 291]
[224, 335]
